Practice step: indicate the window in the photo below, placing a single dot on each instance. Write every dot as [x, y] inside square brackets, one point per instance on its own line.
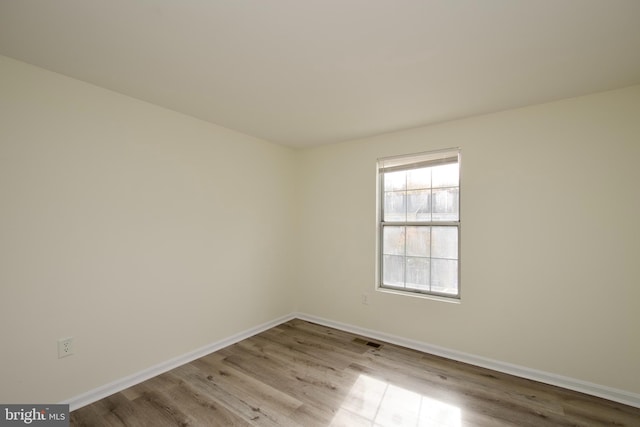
[419, 223]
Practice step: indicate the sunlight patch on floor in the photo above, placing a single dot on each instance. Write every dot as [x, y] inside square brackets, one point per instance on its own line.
[373, 402]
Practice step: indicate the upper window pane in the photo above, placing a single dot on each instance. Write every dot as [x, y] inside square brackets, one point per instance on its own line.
[408, 195]
[418, 179]
[395, 208]
[445, 176]
[395, 181]
[445, 204]
[419, 205]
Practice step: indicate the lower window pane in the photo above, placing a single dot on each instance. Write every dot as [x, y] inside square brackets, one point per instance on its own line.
[393, 240]
[444, 276]
[393, 270]
[418, 241]
[418, 272]
[444, 242]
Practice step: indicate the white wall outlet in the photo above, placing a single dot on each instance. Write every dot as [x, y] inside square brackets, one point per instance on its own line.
[365, 299]
[65, 347]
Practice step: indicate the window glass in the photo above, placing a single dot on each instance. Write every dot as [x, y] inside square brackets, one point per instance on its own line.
[420, 223]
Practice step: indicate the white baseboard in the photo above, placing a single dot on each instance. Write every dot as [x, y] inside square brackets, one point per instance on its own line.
[131, 380]
[621, 396]
[616, 395]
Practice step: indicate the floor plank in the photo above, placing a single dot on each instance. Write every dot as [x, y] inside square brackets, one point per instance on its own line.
[303, 374]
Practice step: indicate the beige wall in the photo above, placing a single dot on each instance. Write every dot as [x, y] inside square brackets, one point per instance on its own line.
[550, 212]
[146, 234]
[143, 233]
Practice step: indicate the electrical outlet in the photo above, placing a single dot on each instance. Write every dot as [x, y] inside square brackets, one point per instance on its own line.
[65, 347]
[365, 299]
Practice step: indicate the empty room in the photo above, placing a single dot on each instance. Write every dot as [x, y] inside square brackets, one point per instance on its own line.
[320, 213]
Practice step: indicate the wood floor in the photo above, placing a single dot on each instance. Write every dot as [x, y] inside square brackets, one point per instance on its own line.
[303, 374]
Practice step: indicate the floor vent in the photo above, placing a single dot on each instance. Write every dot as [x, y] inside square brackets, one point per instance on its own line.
[365, 342]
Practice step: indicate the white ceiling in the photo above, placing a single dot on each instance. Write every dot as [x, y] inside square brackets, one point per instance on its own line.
[306, 72]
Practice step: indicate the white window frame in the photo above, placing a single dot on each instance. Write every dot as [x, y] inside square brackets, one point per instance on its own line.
[409, 162]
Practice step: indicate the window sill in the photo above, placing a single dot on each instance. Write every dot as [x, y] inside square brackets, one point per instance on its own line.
[451, 300]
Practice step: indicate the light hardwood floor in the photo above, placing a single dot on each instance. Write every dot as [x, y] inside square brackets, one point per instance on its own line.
[303, 374]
